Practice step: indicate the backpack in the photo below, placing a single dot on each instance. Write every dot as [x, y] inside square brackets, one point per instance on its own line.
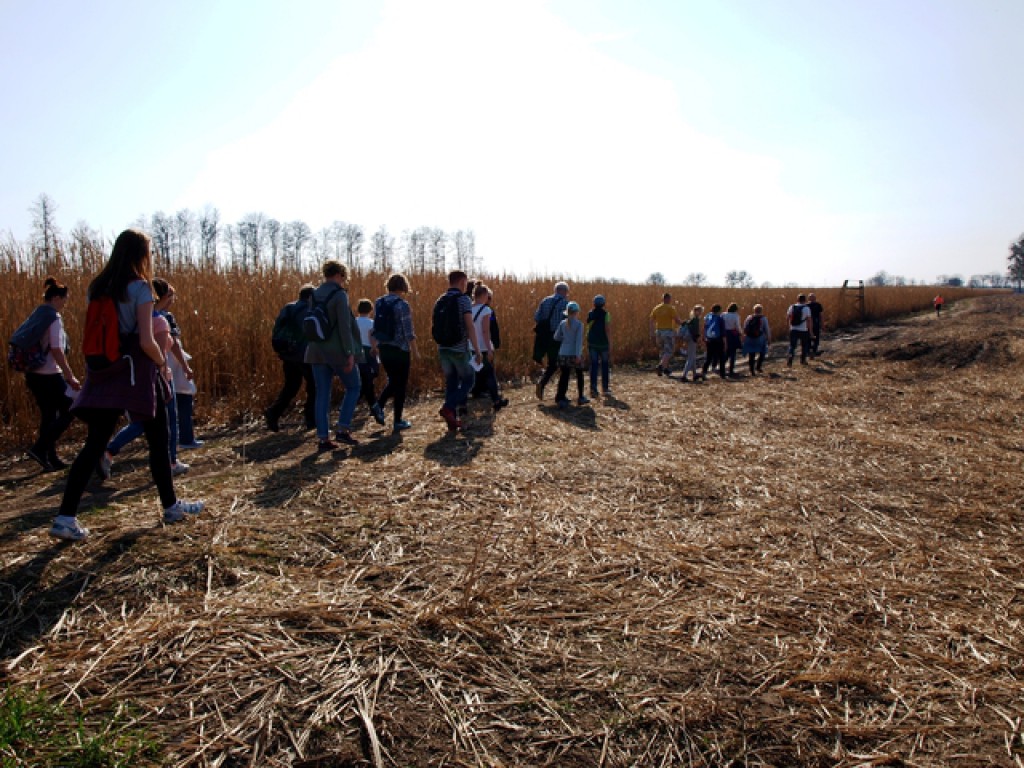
[316, 325]
[26, 351]
[101, 337]
[447, 326]
[288, 337]
[713, 326]
[752, 328]
[796, 315]
[385, 320]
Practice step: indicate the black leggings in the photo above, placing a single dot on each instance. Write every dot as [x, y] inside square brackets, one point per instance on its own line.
[102, 422]
[715, 354]
[50, 392]
[396, 362]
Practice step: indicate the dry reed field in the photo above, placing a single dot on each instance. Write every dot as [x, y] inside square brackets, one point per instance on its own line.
[818, 567]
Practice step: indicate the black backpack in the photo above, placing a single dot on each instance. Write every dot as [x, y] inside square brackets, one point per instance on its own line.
[447, 325]
[796, 315]
[752, 328]
[288, 337]
[316, 325]
[385, 320]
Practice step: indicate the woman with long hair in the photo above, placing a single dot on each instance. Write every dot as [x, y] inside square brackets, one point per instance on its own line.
[133, 382]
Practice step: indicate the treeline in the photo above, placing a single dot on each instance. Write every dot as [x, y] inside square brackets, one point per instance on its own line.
[200, 238]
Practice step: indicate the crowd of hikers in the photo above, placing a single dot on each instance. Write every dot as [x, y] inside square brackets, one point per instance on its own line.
[136, 365]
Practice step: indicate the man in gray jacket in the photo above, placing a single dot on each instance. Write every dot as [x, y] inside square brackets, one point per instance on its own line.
[338, 354]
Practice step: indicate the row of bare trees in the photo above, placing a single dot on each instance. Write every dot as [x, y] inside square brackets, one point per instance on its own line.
[258, 240]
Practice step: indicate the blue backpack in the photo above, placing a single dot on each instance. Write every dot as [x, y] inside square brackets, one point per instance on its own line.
[385, 320]
[713, 326]
[26, 351]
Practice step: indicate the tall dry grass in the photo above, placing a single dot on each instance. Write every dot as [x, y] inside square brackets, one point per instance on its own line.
[226, 318]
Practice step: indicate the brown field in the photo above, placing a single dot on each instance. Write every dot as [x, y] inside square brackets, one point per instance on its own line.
[226, 320]
[820, 567]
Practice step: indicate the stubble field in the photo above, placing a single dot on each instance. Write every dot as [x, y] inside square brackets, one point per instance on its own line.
[819, 567]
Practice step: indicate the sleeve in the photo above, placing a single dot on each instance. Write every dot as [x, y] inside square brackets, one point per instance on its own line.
[54, 334]
[560, 332]
[405, 312]
[342, 318]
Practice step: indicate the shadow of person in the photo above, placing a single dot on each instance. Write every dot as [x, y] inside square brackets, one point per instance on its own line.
[31, 611]
[270, 447]
[453, 450]
[288, 480]
[382, 444]
[583, 417]
[611, 401]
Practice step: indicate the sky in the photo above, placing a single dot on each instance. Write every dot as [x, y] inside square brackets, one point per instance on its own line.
[803, 141]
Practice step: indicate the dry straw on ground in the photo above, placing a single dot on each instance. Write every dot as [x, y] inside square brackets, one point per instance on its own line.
[819, 567]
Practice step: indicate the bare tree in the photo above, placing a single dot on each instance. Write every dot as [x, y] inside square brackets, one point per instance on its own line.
[464, 242]
[161, 228]
[44, 225]
[272, 231]
[416, 250]
[436, 246]
[1016, 261]
[696, 279]
[739, 278]
[382, 249]
[294, 237]
[184, 234]
[354, 238]
[656, 278]
[209, 227]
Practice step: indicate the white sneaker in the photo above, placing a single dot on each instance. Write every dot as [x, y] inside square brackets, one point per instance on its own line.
[179, 509]
[190, 446]
[67, 528]
[179, 468]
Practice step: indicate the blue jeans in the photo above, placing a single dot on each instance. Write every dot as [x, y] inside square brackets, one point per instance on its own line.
[136, 428]
[458, 377]
[598, 358]
[324, 375]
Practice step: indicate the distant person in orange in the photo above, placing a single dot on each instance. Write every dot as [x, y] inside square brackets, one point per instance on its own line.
[663, 322]
[938, 301]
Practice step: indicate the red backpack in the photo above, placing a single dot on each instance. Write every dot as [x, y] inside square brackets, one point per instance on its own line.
[101, 338]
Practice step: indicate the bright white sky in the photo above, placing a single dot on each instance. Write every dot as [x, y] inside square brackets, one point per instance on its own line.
[805, 141]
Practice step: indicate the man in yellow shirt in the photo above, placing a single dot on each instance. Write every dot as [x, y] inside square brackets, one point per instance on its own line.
[664, 322]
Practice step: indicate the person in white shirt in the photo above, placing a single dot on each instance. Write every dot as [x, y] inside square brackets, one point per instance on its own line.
[799, 316]
[482, 314]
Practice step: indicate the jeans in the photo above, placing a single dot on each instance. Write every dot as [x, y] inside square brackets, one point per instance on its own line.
[691, 355]
[324, 375]
[101, 423]
[49, 390]
[396, 362]
[186, 431]
[804, 339]
[294, 374]
[599, 359]
[458, 377]
[136, 428]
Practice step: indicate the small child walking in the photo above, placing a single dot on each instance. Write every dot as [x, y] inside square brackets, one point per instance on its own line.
[570, 354]
[370, 367]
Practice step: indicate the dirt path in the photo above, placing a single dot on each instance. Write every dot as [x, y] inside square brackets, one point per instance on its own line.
[818, 567]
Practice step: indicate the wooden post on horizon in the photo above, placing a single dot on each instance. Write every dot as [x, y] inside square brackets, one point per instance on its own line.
[857, 295]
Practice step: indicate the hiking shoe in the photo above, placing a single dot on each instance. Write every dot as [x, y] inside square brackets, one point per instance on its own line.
[500, 403]
[789, 361]
[180, 509]
[540, 391]
[55, 462]
[67, 528]
[38, 457]
[378, 413]
[583, 400]
[344, 436]
[593, 393]
[190, 446]
[563, 404]
[271, 420]
[103, 467]
[401, 425]
[661, 371]
[179, 468]
[449, 417]
[326, 445]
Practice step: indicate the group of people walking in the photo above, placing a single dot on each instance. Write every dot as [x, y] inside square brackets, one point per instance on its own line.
[724, 334]
[136, 365]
